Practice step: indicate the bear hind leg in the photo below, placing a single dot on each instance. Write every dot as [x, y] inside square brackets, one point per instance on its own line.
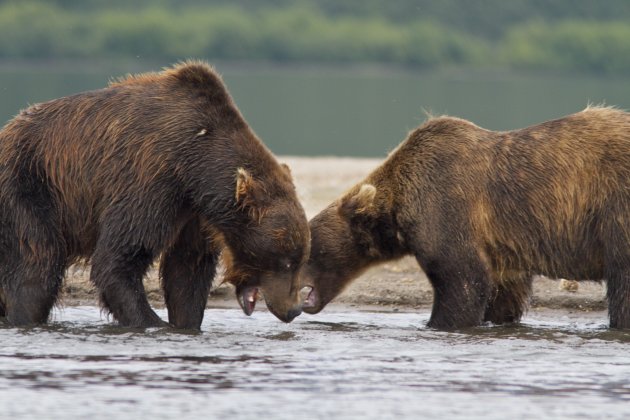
[32, 292]
[3, 311]
[32, 248]
[510, 300]
[617, 275]
[618, 296]
[31, 273]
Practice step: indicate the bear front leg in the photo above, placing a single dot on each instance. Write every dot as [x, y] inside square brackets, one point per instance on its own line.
[511, 299]
[117, 271]
[461, 292]
[187, 271]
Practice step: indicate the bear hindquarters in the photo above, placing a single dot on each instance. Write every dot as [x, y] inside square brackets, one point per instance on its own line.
[187, 271]
[510, 300]
[461, 287]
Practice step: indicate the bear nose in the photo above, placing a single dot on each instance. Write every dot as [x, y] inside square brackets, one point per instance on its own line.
[293, 313]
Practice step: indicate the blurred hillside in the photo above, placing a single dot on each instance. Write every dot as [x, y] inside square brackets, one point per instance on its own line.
[549, 35]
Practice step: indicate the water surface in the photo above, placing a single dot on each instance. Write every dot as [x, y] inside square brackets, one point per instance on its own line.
[334, 365]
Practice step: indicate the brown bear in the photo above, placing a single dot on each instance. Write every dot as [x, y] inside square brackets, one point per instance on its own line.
[484, 211]
[155, 165]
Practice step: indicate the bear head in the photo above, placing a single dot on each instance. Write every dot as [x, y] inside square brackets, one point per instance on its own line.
[347, 237]
[268, 252]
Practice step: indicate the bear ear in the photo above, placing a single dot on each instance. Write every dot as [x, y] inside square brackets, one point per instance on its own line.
[244, 184]
[249, 193]
[362, 202]
[286, 169]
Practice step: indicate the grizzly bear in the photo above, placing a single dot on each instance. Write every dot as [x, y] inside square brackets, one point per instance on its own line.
[483, 212]
[157, 165]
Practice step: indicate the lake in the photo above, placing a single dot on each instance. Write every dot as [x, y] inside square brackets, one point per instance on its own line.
[357, 111]
[336, 365]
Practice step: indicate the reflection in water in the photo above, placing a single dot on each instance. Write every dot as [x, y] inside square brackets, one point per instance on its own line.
[339, 365]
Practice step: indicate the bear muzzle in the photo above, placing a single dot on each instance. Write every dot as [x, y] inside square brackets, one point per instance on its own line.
[281, 299]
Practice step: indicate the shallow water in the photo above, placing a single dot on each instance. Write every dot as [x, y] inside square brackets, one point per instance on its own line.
[333, 365]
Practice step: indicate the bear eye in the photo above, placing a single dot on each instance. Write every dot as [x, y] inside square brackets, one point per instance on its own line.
[285, 264]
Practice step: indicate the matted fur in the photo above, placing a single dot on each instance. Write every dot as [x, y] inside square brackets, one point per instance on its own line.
[484, 211]
[145, 167]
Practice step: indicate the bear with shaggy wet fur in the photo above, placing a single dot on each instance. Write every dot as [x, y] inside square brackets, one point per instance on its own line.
[484, 211]
[158, 165]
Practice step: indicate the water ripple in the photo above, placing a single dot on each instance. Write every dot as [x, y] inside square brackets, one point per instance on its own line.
[340, 365]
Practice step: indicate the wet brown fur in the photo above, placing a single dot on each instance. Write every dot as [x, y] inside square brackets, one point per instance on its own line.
[145, 167]
[484, 211]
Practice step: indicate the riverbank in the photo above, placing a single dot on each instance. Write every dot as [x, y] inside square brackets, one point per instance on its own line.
[396, 286]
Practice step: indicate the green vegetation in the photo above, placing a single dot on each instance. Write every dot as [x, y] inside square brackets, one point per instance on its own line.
[563, 35]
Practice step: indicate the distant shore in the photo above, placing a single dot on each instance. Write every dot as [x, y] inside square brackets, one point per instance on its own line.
[399, 285]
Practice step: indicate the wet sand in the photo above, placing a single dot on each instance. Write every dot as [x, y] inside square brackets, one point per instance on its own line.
[395, 286]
